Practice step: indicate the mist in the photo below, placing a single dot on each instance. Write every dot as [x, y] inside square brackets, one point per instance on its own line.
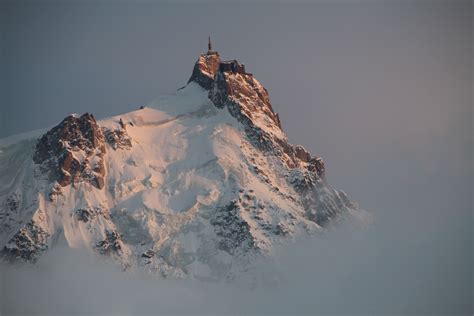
[347, 270]
[382, 90]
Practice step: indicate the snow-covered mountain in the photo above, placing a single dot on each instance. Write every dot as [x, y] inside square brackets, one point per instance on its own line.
[196, 184]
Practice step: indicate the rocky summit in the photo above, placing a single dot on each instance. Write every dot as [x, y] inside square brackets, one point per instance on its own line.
[197, 184]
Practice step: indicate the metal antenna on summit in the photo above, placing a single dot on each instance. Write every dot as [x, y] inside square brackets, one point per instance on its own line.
[209, 48]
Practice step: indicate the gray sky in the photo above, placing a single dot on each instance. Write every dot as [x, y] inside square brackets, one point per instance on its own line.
[381, 90]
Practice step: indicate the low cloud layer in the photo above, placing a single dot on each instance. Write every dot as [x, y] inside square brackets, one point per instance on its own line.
[345, 271]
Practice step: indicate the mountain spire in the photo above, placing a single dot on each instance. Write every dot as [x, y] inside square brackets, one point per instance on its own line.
[209, 47]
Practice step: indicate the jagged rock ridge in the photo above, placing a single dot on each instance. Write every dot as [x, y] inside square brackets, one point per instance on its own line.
[73, 151]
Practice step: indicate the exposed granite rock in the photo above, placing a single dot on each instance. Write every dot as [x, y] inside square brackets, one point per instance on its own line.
[233, 230]
[13, 202]
[245, 91]
[316, 165]
[27, 244]
[321, 202]
[148, 254]
[205, 70]
[90, 213]
[228, 81]
[111, 243]
[231, 87]
[9, 211]
[118, 138]
[248, 101]
[55, 192]
[301, 153]
[325, 205]
[73, 151]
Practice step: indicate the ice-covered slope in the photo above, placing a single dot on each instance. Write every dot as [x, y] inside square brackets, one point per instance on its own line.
[195, 184]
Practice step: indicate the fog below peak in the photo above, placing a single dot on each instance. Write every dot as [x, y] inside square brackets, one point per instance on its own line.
[382, 90]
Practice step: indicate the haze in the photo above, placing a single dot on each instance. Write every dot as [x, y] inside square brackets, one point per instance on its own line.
[382, 90]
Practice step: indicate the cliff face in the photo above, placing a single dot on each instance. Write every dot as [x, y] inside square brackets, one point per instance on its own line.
[205, 70]
[248, 101]
[73, 151]
[197, 184]
[228, 82]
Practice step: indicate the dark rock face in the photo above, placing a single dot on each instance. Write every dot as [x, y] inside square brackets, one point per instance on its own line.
[111, 243]
[73, 151]
[316, 165]
[10, 211]
[13, 202]
[233, 84]
[118, 138]
[233, 230]
[55, 192]
[148, 254]
[27, 244]
[90, 213]
[321, 202]
[242, 89]
[301, 153]
[205, 70]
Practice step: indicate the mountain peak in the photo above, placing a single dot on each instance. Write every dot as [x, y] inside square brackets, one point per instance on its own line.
[209, 64]
[230, 86]
[197, 184]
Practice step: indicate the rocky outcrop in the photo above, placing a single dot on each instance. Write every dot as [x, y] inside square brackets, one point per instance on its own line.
[112, 243]
[205, 70]
[233, 231]
[27, 244]
[231, 87]
[251, 97]
[321, 203]
[228, 82]
[118, 138]
[316, 165]
[73, 151]
[91, 213]
[9, 211]
[301, 153]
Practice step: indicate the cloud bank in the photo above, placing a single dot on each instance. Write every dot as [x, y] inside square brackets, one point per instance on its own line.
[345, 271]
